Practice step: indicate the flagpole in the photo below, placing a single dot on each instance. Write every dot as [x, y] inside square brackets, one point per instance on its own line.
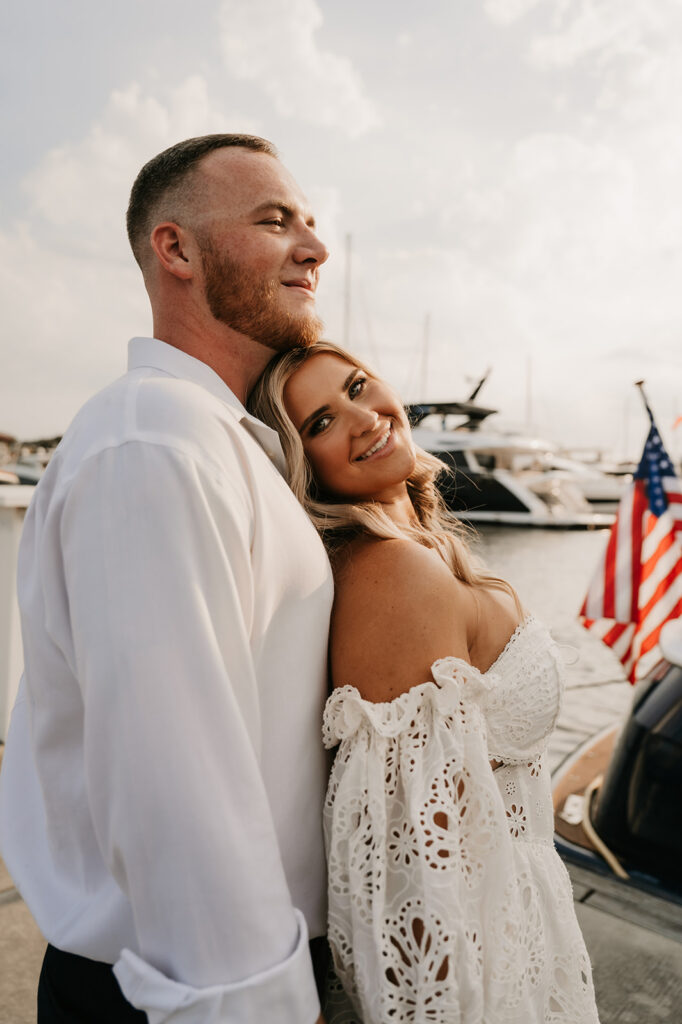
[640, 384]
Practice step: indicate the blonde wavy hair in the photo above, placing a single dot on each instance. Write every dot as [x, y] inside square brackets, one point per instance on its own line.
[338, 522]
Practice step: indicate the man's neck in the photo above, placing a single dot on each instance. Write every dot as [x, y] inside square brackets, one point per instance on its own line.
[237, 359]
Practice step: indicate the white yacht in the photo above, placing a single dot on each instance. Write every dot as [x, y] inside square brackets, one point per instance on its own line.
[508, 477]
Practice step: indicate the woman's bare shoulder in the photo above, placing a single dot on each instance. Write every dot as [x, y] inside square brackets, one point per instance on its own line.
[397, 609]
[371, 557]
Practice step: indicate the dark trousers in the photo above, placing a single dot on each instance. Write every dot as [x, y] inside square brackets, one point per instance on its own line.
[75, 990]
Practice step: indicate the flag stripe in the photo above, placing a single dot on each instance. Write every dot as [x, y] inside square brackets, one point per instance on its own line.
[613, 635]
[610, 573]
[623, 645]
[661, 606]
[623, 578]
[643, 666]
[639, 510]
[658, 569]
[653, 637]
[651, 562]
[655, 530]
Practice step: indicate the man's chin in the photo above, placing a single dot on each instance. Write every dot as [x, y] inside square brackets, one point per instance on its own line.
[300, 333]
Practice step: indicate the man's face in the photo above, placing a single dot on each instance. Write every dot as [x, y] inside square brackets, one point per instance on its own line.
[260, 254]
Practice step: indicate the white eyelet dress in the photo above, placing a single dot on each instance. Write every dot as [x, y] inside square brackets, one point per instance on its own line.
[448, 903]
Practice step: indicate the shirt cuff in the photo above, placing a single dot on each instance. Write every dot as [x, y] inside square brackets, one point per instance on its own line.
[284, 994]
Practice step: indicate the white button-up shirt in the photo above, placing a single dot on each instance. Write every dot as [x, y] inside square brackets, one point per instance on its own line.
[164, 773]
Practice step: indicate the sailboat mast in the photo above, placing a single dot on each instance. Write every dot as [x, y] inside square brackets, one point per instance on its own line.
[346, 293]
[529, 392]
[424, 371]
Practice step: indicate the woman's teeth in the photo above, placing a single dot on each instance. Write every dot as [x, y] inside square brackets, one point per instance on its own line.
[381, 443]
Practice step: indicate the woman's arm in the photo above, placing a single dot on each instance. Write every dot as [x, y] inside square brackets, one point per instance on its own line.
[415, 827]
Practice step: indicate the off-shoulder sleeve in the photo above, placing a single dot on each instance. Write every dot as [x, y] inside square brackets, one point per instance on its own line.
[419, 854]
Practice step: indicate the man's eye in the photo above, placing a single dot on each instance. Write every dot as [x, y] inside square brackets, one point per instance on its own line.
[277, 221]
[357, 387]
[319, 425]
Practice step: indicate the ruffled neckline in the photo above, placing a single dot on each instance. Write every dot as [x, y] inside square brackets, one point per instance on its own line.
[346, 709]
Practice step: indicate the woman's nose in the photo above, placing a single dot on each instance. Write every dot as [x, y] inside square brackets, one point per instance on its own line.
[364, 420]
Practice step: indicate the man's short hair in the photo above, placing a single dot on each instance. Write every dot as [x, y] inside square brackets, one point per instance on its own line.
[167, 177]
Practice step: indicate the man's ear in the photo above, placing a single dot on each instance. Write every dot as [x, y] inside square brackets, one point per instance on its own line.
[175, 249]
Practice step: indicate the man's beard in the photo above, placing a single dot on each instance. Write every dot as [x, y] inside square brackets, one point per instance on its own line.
[249, 305]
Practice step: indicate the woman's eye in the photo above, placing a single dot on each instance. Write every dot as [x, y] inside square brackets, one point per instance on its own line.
[319, 425]
[357, 387]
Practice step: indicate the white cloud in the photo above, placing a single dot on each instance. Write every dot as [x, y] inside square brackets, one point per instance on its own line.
[84, 185]
[272, 43]
[71, 294]
[67, 316]
[504, 12]
[572, 208]
[607, 29]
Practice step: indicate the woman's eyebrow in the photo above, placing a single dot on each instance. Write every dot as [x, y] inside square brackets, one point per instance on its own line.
[349, 379]
[325, 408]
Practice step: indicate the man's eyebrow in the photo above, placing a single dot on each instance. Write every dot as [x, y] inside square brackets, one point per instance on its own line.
[285, 208]
[324, 408]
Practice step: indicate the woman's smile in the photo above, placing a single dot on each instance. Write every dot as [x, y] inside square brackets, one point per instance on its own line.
[384, 446]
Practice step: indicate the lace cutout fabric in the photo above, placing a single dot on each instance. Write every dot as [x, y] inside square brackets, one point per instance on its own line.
[447, 901]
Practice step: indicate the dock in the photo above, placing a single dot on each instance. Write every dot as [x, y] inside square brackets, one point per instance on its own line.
[21, 953]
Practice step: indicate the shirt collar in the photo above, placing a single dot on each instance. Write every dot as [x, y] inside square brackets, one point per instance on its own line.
[173, 361]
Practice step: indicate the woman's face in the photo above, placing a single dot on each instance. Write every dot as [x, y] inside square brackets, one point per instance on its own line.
[353, 428]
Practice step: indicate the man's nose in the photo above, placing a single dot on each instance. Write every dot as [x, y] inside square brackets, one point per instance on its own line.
[311, 249]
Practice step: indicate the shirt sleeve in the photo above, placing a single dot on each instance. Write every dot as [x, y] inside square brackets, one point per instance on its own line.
[419, 853]
[160, 595]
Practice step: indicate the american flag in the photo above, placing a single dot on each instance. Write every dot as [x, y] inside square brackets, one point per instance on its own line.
[638, 585]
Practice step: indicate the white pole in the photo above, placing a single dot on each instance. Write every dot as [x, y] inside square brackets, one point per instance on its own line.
[529, 392]
[346, 297]
[424, 374]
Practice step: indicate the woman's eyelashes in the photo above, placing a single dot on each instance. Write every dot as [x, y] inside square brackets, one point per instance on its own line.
[319, 425]
[357, 386]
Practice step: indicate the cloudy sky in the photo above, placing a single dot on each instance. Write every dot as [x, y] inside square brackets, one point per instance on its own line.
[509, 169]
